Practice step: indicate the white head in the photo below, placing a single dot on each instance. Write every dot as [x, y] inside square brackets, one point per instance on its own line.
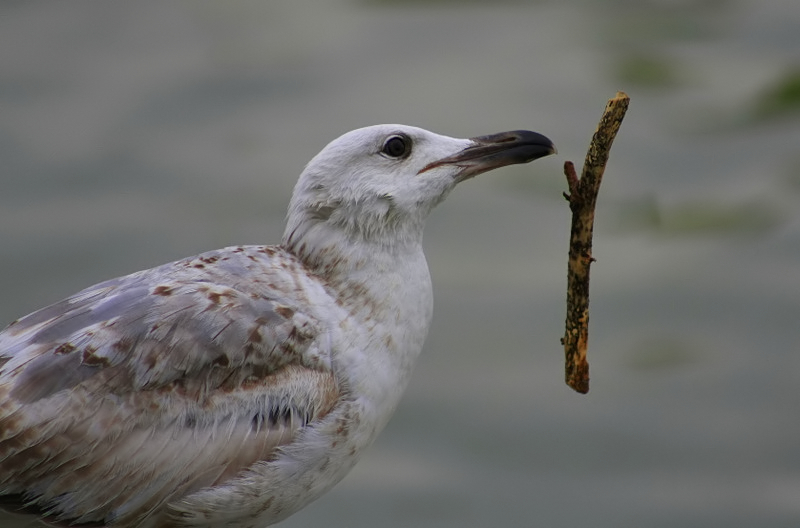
[376, 185]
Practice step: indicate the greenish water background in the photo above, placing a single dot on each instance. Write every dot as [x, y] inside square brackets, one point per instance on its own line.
[135, 133]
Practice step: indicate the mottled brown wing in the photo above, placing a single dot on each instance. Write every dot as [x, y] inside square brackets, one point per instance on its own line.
[144, 388]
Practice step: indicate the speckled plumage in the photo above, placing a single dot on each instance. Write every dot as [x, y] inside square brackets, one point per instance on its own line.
[232, 388]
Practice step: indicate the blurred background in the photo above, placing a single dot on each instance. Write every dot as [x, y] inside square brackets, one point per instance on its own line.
[135, 133]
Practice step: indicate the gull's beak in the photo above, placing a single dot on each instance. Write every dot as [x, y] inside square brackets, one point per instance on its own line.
[497, 150]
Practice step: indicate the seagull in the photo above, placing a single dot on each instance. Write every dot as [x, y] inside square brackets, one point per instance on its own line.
[232, 388]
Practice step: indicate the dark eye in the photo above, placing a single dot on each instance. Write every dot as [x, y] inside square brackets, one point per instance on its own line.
[397, 147]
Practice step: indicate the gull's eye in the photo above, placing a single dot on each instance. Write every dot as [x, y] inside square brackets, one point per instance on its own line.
[397, 147]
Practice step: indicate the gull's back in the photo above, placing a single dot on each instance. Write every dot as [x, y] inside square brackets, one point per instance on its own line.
[141, 390]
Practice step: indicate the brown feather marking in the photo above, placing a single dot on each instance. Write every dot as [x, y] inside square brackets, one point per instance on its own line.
[162, 290]
[64, 348]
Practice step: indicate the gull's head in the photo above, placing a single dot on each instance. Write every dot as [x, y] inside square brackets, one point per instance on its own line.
[378, 184]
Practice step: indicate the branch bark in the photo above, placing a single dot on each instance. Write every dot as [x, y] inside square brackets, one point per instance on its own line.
[582, 198]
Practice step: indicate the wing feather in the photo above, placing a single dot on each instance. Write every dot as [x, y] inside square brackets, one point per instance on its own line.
[150, 386]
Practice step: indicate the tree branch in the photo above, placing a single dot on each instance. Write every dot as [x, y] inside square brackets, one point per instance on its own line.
[582, 198]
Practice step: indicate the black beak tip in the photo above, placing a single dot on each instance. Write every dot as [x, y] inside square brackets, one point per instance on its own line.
[538, 144]
[520, 145]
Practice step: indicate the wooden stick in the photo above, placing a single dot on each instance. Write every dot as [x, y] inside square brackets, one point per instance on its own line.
[582, 198]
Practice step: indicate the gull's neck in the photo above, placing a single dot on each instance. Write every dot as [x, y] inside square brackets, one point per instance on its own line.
[346, 250]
